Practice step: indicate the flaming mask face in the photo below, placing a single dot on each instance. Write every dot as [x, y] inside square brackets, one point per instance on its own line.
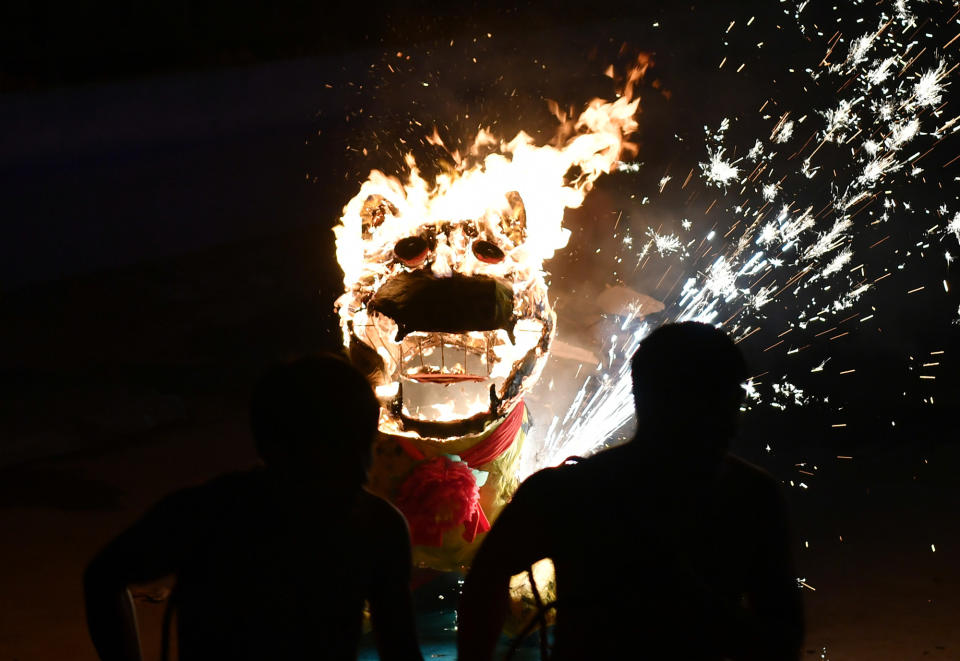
[449, 318]
[445, 304]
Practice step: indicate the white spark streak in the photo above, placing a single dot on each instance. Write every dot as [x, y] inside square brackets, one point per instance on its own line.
[808, 171]
[929, 89]
[858, 50]
[721, 279]
[784, 132]
[664, 243]
[785, 393]
[953, 227]
[768, 234]
[762, 296]
[948, 126]
[878, 167]
[792, 229]
[906, 17]
[881, 72]
[838, 119]
[837, 262]
[902, 133]
[718, 171]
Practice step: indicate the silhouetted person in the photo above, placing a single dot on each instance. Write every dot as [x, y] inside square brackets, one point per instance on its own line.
[666, 547]
[275, 562]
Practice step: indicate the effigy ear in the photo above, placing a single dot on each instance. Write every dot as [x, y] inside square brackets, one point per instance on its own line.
[374, 212]
[513, 219]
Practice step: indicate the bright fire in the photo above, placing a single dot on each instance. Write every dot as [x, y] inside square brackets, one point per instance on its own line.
[489, 224]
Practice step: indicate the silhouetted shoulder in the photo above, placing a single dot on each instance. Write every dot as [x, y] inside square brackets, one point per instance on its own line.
[551, 494]
[204, 503]
[596, 474]
[545, 485]
[225, 489]
[221, 491]
[381, 515]
[384, 534]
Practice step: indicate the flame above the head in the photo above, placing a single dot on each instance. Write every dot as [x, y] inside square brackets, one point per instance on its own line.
[493, 185]
[592, 143]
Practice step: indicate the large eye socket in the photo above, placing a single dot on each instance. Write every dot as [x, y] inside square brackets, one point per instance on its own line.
[487, 252]
[411, 250]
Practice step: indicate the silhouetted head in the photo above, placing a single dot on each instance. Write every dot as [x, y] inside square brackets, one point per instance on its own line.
[687, 380]
[316, 416]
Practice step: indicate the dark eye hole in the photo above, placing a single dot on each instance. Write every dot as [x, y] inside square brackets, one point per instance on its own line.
[487, 252]
[411, 250]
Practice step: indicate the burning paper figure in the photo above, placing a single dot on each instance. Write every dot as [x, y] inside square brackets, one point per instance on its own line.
[446, 311]
[452, 340]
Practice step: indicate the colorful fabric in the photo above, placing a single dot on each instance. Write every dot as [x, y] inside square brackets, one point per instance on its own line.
[443, 492]
[440, 494]
[497, 442]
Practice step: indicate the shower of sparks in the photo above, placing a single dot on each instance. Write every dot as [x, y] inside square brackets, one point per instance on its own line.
[845, 174]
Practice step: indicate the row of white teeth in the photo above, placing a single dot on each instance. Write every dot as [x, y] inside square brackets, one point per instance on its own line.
[413, 352]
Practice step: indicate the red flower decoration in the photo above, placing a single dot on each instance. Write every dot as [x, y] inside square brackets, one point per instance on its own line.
[441, 494]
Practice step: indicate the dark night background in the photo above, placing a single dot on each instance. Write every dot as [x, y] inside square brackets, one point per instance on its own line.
[170, 172]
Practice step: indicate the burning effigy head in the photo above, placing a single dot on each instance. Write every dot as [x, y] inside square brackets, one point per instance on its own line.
[445, 309]
[451, 321]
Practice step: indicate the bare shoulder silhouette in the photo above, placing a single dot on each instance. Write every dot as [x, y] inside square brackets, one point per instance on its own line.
[665, 547]
[275, 562]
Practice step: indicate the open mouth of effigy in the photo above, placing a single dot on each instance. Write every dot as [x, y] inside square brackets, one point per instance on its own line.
[443, 376]
[445, 358]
